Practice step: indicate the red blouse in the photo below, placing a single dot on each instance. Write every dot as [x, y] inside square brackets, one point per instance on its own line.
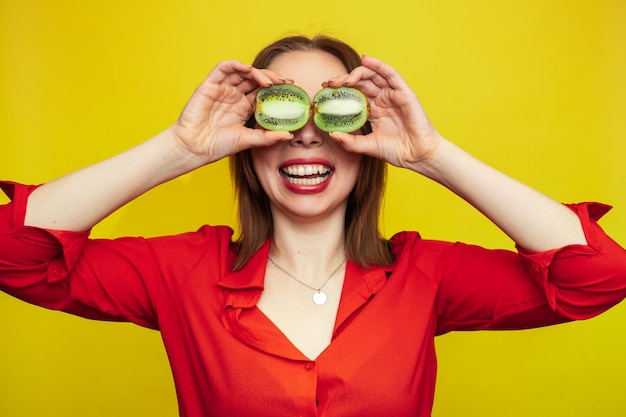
[229, 359]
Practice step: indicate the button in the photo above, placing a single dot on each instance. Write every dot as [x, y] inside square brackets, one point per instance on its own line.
[309, 366]
[56, 274]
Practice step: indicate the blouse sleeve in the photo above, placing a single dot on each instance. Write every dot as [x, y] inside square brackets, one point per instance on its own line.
[498, 289]
[40, 267]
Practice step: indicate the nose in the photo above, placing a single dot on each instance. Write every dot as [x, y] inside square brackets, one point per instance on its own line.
[308, 136]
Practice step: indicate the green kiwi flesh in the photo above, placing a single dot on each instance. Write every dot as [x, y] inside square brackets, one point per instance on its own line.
[282, 107]
[343, 109]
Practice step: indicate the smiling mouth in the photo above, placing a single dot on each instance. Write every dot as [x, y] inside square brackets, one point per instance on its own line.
[306, 174]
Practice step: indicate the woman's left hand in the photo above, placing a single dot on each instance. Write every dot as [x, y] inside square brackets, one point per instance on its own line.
[401, 132]
[403, 136]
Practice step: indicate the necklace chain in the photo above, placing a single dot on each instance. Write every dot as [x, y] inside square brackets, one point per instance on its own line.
[317, 290]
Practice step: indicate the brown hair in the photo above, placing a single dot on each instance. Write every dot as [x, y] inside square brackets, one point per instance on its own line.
[364, 244]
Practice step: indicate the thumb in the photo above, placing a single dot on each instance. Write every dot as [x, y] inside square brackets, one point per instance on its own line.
[259, 137]
[352, 143]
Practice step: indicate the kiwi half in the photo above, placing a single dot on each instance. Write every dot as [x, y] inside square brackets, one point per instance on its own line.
[282, 107]
[343, 109]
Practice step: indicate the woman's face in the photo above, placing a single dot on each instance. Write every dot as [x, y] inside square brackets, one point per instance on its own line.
[310, 176]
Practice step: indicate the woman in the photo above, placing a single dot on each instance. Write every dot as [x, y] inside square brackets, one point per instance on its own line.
[309, 311]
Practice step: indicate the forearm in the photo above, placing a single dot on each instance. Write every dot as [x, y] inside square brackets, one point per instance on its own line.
[81, 199]
[531, 219]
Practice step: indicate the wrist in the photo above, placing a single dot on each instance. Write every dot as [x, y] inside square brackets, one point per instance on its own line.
[181, 157]
[433, 160]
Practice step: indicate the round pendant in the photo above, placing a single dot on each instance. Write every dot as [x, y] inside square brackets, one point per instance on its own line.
[319, 298]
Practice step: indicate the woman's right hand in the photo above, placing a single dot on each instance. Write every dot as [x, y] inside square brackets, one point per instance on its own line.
[211, 126]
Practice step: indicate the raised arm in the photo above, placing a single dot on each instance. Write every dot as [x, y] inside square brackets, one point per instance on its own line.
[210, 127]
[403, 136]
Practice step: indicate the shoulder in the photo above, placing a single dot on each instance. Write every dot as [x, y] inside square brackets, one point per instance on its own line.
[411, 243]
[410, 250]
[207, 237]
[209, 243]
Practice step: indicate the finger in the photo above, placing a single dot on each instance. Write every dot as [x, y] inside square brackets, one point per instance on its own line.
[355, 76]
[248, 83]
[274, 76]
[355, 143]
[251, 96]
[266, 77]
[254, 138]
[247, 87]
[391, 76]
[235, 73]
[224, 69]
[364, 79]
[370, 89]
[335, 82]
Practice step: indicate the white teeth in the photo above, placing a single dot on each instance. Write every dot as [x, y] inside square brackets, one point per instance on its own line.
[306, 181]
[302, 170]
[296, 174]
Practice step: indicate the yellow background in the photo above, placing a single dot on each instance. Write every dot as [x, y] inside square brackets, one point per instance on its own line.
[536, 88]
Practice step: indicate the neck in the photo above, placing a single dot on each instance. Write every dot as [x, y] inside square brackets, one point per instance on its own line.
[310, 249]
